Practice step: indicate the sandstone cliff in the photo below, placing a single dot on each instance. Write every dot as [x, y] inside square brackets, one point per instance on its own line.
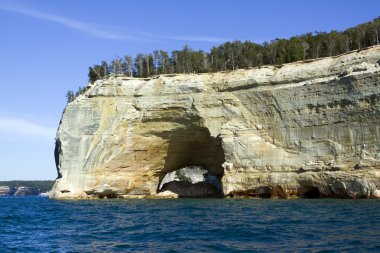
[302, 129]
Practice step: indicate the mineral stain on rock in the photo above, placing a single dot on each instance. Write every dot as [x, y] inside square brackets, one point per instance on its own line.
[308, 129]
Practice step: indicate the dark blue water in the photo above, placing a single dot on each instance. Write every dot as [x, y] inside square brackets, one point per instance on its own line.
[33, 224]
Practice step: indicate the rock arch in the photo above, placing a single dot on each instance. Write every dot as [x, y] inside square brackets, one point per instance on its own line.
[192, 148]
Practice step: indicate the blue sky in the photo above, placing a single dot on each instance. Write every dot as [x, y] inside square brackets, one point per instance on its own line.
[48, 45]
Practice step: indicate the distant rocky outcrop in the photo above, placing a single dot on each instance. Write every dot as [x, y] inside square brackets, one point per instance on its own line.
[19, 191]
[25, 188]
[305, 129]
[6, 191]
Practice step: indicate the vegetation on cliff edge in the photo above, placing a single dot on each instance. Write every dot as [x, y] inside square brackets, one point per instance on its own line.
[238, 54]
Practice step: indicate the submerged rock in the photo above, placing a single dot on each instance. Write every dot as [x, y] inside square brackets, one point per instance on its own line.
[306, 129]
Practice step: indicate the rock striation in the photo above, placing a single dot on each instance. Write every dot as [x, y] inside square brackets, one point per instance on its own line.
[305, 129]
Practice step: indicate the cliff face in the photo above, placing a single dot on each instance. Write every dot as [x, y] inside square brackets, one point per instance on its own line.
[302, 129]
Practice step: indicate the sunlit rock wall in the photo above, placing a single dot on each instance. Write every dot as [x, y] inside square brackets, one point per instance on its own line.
[275, 131]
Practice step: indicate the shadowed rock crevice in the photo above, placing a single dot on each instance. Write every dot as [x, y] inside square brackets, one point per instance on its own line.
[57, 153]
[265, 192]
[309, 192]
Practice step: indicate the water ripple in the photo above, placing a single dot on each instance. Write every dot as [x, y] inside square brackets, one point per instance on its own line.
[34, 224]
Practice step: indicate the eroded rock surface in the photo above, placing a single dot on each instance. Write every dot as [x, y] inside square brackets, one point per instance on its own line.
[303, 129]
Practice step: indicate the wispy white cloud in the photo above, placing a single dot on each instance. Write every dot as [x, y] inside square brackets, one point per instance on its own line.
[14, 126]
[195, 38]
[68, 22]
[114, 33]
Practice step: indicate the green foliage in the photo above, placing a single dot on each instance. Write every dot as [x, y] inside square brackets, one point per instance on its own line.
[81, 90]
[70, 95]
[44, 186]
[238, 55]
[101, 71]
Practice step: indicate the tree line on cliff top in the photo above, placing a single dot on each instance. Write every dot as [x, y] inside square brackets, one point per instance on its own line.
[238, 54]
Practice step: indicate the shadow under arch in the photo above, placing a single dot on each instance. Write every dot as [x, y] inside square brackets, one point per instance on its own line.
[189, 147]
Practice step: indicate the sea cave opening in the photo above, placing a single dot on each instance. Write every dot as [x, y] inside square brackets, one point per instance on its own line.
[310, 192]
[192, 182]
[193, 165]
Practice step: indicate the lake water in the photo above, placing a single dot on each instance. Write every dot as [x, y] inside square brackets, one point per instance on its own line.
[35, 224]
